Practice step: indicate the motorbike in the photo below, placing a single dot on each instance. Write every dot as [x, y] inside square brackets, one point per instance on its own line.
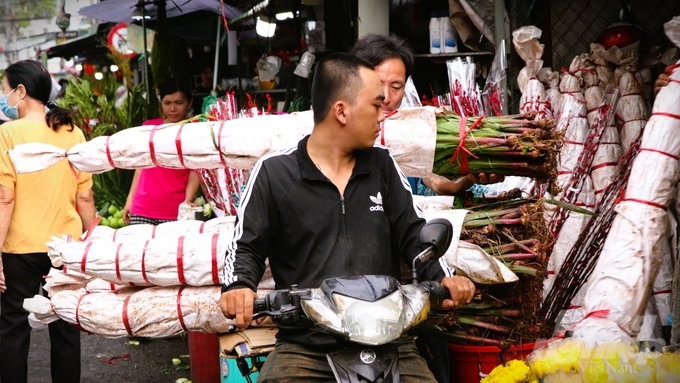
[368, 311]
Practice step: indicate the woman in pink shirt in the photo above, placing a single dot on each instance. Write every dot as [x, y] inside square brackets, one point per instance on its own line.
[156, 193]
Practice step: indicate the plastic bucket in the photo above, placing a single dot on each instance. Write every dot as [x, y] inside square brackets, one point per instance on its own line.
[469, 364]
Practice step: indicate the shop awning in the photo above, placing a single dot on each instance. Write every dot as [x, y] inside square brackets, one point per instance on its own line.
[120, 11]
[86, 46]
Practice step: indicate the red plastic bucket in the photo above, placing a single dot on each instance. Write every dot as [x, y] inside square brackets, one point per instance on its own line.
[204, 357]
[469, 364]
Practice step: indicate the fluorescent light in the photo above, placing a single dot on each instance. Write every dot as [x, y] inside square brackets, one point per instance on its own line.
[98, 76]
[284, 16]
[138, 14]
[264, 28]
[114, 68]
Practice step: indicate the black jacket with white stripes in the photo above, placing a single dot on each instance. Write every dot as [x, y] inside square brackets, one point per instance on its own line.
[295, 216]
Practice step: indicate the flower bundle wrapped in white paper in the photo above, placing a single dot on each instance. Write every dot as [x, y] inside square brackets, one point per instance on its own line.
[410, 134]
[573, 121]
[608, 152]
[551, 83]
[194, 260]
[533, 100]
[172, 229]
[621, 283]
[146, 312]
[631, 111]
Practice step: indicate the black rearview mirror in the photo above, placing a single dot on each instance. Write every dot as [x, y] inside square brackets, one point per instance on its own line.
[437, 233]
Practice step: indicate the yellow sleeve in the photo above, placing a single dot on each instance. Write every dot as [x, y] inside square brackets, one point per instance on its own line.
[8, 176]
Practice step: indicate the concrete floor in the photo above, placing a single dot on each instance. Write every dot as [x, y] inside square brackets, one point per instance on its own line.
[149, 362]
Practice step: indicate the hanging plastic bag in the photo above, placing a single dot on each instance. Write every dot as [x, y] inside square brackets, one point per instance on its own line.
[495, 88]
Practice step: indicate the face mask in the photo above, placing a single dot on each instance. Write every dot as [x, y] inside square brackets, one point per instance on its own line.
[10, 111]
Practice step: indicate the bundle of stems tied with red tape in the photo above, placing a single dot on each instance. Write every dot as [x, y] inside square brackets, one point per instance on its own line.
[517, 145]
[512, 230]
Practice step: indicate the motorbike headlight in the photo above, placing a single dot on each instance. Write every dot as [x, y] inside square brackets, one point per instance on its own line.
[369, 323]
[321, 311]
[372, 323]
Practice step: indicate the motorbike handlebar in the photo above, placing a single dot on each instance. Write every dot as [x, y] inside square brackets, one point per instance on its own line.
[259, 305]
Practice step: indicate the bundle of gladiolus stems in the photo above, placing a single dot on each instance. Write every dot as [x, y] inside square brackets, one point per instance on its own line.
[517, 145]
[513, 231]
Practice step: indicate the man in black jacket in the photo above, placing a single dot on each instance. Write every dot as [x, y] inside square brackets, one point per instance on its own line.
[333, 206]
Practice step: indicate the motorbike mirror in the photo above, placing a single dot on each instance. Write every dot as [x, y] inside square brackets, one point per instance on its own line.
[437, 233]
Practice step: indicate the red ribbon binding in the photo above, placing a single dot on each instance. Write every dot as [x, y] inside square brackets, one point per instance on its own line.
[118, 262]
[593, 314]
[660, 152]
[179, 309]
[180, 261]
[83, 262]
[178, 145]
[649, 203]
[77, 312]
[125, 315]
[143, 262]
[213, 249]
[108, 153]
[152, 149]
[461, 150]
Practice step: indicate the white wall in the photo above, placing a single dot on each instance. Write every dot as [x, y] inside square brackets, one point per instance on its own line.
[374, 17]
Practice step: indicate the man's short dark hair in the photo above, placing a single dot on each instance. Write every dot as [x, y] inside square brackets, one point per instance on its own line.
[336, 77]
[378, 48]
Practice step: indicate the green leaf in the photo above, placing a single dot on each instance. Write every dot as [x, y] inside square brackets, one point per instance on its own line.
[570, 207]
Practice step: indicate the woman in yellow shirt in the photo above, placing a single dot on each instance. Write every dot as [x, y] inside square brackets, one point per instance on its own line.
[34, 207]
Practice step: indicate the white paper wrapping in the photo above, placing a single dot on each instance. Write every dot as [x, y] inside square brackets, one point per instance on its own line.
[194, 260]
[174, 229]
[145, 312]
[468, 259]
[662, 287]
[631, 111]
[622, 280]
[410, 134]
[608, 152]
[605, 161]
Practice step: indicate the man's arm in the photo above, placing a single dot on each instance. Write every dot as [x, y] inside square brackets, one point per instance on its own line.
[407, 222]
[444, 186]
[245, 256]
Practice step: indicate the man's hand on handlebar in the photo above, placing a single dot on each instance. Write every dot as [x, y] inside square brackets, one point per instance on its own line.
[238, 304]
[462, 291]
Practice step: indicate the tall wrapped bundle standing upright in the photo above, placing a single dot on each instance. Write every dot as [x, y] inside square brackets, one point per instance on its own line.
[621, 283]
[551, 83]
[631, 111]
[608, 151]
[573, 121]
[533, 100]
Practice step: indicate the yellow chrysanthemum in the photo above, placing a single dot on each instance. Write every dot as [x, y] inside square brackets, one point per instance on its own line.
[559, 356]
[515, 371]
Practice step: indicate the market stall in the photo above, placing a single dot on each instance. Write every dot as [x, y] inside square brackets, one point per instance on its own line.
[572, 269]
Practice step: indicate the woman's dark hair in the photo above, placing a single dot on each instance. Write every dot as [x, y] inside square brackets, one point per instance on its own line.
[174, 85]
[336, 77]
[378, 48]
[38, 83]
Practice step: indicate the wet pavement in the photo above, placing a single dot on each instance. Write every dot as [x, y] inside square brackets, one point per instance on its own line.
[149, 362]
